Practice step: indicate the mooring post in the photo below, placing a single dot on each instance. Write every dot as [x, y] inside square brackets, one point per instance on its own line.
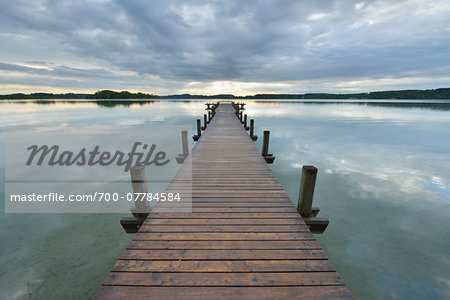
[141, 207]
[305, 199]
[184, 142]
[241, 107]
[140, 187]
[199, 127]
[245, 122]
[252, 130]
[205, 122]
[265, 148]
[209, 116]
[306, 192]
[199, 131]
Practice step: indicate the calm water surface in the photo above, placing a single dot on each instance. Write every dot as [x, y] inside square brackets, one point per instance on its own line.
[384, 183]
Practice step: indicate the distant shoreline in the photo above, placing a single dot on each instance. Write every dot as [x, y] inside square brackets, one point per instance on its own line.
[432, 94]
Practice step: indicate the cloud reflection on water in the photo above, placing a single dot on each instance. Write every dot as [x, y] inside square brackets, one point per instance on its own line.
[383, 181]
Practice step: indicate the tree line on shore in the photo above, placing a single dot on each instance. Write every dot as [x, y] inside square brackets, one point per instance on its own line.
[105, 94]
[441, 93]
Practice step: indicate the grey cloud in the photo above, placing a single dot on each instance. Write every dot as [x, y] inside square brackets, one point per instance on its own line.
[77, 78]
[263, 41]
[58, 71]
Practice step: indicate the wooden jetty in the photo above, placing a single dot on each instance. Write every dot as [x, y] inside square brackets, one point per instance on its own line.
[243, 240]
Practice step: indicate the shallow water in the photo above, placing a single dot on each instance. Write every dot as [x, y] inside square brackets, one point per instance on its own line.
[384, 183]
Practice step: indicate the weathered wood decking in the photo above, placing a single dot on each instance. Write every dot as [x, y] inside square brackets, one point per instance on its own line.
[243, 240]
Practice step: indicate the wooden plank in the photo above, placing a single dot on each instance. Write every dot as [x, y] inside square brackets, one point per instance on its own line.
[216, 236]
[228, 254]
[238, 200]
[231, 215]
[197, 204]
[232, 293]
[225, 228]
[224, 279]
[222, 245]
[215, 221]
[224, 266]
[240, 210]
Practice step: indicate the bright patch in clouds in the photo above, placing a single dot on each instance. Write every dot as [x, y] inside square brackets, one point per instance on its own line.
[316, 16]
[359, 5]
[238, 88]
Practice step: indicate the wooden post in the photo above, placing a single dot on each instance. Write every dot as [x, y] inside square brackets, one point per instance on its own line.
[205, 122]
[199, 131]
[252, 130]
[184, 141]
[139, 184]
[306, 192]
[199, 127]
[245, 122]
[265, 146]
[141, 207]
[305, 199]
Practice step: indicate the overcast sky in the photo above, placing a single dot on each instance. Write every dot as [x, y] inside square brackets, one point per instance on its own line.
[212, 47]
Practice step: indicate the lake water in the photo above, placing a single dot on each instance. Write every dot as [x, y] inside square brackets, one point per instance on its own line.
[383, 181]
